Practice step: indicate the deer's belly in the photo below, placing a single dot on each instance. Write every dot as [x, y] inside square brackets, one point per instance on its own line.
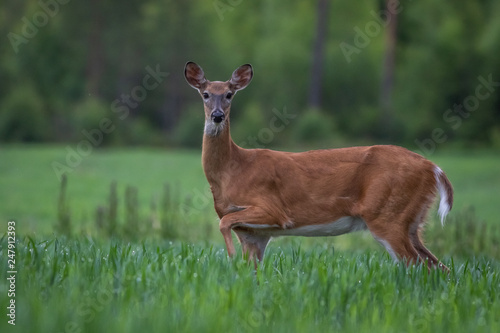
[344, 225]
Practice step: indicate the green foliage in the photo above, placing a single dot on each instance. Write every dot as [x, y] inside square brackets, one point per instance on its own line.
[22, 116]
[370, 125]
[314, 126]
[495, 137]
[87, 116]
[131, 212]
[465, 235]
[441, 61]
[112, 220]
[247, 124]
[67, 75]
[138, 131]
[63, 210]
[165, 215]
[189, 130]
[169, 213]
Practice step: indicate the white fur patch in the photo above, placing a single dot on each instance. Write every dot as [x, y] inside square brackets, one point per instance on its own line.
[388, 248]
[341, 226]
[257, 226]
[213, 129]
[444, 208]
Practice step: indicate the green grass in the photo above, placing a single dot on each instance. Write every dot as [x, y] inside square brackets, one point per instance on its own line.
[88, 283]
[30, 188]
[84, 285]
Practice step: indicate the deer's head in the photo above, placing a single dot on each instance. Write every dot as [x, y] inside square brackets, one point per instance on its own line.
[217, 95]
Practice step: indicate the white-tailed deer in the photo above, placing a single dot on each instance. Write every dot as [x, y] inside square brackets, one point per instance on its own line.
[261, 193]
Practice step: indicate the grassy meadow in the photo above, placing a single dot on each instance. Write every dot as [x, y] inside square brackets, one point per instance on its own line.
[89, 282]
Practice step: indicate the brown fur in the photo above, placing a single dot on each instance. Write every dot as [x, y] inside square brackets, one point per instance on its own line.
[389, 187]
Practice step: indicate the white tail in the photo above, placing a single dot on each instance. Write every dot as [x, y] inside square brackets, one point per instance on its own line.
[445, 192]
[260, 193]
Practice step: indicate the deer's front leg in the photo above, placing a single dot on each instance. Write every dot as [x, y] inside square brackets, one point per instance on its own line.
[225, 229]
[249, 218]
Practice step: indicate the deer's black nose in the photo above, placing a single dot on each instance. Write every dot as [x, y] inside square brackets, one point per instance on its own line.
[218, 116]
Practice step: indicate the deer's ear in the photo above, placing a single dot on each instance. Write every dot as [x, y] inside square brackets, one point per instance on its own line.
[194, 75]
[241, 77]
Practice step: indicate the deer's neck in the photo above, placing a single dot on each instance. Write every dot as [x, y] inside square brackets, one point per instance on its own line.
[217, 153]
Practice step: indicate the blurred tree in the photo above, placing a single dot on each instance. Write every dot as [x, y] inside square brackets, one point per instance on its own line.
[318, 54]
[100, 51]
[390, 13]
[22, 118]
[95, 59]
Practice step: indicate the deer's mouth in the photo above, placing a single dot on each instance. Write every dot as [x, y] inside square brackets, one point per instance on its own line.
[215, 125]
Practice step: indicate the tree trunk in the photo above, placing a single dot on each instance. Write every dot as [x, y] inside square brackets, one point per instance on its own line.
[389, 62]
[318, 55]
[95, 60]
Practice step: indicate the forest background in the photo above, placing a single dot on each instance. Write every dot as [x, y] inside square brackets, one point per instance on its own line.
[417, 73]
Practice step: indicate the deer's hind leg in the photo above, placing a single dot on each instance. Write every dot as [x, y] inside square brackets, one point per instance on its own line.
[416, 239]
[253, 245]
[395, 239]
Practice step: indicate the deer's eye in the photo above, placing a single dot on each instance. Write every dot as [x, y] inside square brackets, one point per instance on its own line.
[229, 95]
[206, 95]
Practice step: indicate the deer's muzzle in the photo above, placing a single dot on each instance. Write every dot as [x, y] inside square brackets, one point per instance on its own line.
[218, 116]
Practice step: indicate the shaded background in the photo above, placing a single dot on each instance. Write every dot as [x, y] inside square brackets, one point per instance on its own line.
[353, 72]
